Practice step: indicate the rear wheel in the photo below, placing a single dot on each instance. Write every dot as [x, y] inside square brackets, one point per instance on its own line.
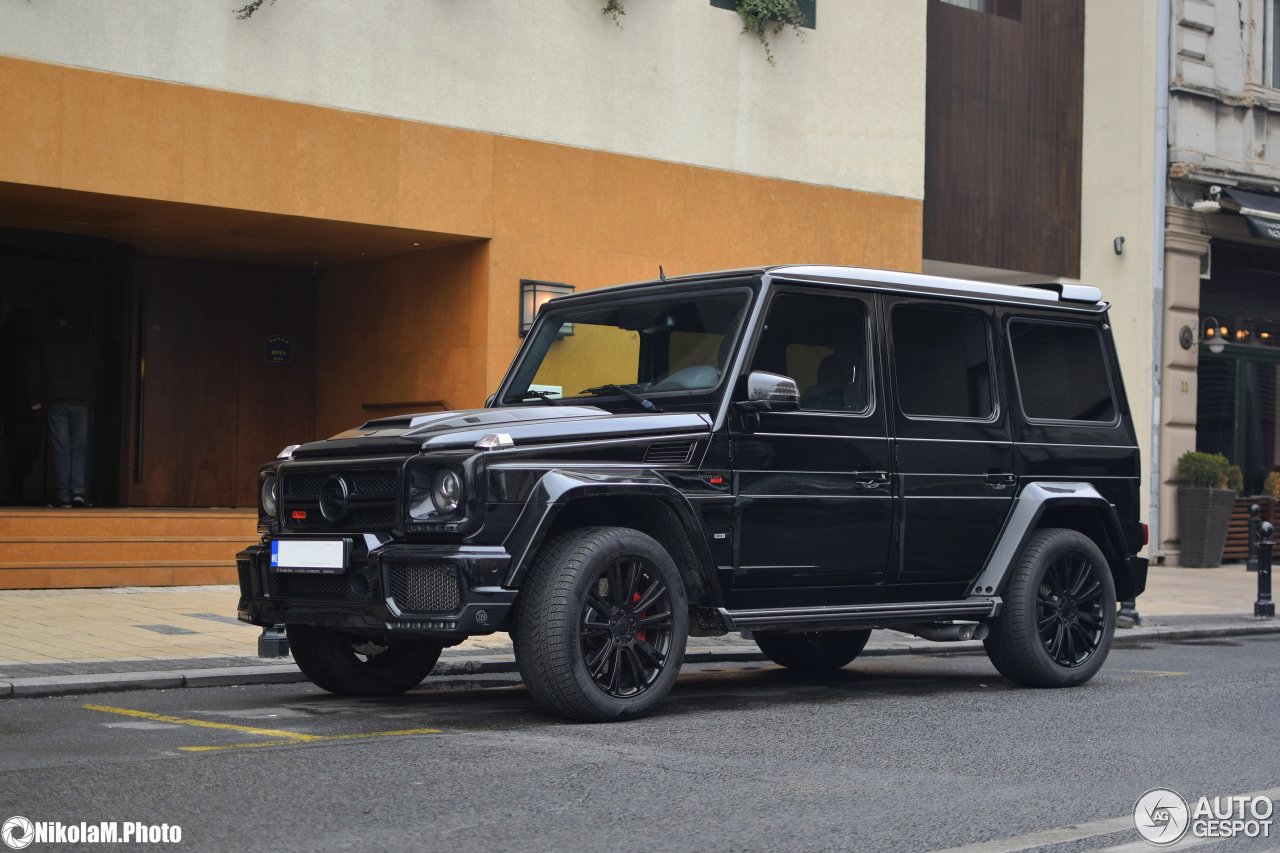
[1059, 613]
[601, 624]
[358, 666]
[814, 652]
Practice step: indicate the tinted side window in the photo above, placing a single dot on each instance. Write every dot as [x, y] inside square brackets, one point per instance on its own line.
[821, 343]
[942, 360]
[1061, 371]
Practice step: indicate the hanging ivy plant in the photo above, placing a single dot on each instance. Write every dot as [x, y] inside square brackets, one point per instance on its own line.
[761, 18]
[252, 6]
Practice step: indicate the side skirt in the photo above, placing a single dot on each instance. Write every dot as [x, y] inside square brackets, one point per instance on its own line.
[858, 615]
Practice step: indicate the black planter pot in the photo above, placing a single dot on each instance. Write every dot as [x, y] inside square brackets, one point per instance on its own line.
[1203, 518]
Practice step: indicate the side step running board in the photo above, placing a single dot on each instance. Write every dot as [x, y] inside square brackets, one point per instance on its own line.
[859, 615]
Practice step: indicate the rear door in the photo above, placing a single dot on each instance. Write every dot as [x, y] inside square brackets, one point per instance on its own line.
[954, 453]
[814, 499]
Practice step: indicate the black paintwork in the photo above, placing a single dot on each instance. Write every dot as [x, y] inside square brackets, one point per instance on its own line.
[772, 510]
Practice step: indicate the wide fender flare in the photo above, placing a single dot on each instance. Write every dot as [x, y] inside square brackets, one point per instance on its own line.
[559, 488]
[1029, 507]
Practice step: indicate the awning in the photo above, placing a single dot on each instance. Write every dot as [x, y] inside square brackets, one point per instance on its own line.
[1261, 212]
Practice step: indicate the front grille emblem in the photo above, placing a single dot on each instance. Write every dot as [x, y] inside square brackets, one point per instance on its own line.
[335, 499]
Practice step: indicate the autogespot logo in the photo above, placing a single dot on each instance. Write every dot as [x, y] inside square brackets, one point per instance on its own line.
[1161, 816]
[18, 832]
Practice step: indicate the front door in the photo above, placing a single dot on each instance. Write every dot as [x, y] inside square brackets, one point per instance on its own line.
[814, 500]
[954, 452]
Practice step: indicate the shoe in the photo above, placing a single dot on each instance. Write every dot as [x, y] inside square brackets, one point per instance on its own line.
[62, 505]
[79, 502]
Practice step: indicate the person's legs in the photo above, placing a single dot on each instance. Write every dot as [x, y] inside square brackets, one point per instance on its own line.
[78, 415]
[60, 449]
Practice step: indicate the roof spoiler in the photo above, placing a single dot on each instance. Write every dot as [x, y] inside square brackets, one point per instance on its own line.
[1071, 292]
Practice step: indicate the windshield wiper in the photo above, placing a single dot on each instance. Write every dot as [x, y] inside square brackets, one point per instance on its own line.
[531, 395]
[647, 405]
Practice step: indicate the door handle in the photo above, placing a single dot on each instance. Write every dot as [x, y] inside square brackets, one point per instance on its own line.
[999, 481]
[871, 479]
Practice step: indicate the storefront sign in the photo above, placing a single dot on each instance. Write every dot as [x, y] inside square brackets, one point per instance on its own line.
[279, 350]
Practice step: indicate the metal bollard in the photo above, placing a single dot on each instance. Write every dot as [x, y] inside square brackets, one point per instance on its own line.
[1254, 512]
[1264, 606]
[273, 643]
[1128, 616]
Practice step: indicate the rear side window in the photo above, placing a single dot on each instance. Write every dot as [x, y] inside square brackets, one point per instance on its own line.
[942, 360]
[1061, 372]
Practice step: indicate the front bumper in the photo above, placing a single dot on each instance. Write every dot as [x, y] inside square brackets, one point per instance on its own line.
[392, 590]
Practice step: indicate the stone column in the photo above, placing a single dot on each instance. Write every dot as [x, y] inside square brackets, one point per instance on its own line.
[1185, 244]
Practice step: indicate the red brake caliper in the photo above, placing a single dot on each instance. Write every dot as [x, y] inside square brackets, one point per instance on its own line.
[639, 634]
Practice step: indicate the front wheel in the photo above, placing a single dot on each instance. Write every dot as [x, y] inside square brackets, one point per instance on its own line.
[359, 666]
[1059, 613]
[601, 624]
[813, 652]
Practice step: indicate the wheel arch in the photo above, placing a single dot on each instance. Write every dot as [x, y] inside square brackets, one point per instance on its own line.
[1074, 506]
[564, 501]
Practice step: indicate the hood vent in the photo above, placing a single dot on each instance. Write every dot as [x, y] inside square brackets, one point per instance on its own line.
[669, 452]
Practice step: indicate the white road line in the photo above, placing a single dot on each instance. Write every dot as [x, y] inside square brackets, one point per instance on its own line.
[1079, 831]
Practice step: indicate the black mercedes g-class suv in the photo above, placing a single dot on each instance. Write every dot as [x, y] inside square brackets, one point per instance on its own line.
[799, 453]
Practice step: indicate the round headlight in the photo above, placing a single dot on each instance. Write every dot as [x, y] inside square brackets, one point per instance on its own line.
[446, 492]
[269, 502]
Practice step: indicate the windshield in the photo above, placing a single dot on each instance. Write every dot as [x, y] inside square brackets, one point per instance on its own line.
[630, 349]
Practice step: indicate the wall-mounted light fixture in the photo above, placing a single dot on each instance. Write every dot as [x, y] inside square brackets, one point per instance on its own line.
[1210, 332]
[533, 295]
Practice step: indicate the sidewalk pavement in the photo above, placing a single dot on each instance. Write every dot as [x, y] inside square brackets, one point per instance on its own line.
[86, 640]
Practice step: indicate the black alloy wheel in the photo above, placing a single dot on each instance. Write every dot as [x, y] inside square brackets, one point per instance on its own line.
[1069, 612]
[601, 624]
[1055, 626]
[626, 627]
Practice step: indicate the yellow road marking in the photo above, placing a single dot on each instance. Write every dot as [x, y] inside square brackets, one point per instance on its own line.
[314, 739]
[1159, 672]
[203, 724]
[279, 737]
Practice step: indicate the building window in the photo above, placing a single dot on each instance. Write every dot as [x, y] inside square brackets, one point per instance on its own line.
[1003, 8]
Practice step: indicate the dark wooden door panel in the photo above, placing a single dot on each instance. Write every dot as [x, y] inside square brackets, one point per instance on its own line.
[214, 407]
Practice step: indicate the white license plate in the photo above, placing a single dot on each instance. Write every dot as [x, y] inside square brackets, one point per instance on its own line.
[320, 556]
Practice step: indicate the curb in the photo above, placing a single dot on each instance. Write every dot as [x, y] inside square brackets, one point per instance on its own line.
[230, 676]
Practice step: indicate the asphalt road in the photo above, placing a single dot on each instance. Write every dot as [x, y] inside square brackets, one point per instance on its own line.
[901, 753]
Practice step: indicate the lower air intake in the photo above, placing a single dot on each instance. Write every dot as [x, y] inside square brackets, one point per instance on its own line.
[424, 587]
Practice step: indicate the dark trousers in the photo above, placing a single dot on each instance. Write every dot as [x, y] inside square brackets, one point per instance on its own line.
[69, 443]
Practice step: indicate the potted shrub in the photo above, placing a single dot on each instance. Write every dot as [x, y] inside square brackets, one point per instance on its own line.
[1204, 507]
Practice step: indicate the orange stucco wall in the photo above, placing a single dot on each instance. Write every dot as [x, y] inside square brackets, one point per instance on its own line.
[439, 324]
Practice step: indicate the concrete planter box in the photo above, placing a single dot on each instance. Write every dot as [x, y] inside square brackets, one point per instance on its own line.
[1203, 518]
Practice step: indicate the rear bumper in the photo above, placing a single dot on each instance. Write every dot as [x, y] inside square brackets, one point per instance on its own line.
[398, 590]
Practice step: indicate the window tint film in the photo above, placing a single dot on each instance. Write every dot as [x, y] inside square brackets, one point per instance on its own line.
[942, 359]
[821, 343]
[1062, 373]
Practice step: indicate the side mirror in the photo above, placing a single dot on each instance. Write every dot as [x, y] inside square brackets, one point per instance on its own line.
[770, 392]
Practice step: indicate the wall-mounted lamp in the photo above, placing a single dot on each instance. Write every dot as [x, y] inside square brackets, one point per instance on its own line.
[1211, 333]
[533, 295]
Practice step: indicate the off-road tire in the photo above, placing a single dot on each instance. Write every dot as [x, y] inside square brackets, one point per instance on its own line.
[1016, 644]
[329, 658]
[552, 629]
[813, 652]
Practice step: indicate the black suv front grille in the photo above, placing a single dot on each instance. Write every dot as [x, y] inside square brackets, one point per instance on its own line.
[424, 587]
[370, 498]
